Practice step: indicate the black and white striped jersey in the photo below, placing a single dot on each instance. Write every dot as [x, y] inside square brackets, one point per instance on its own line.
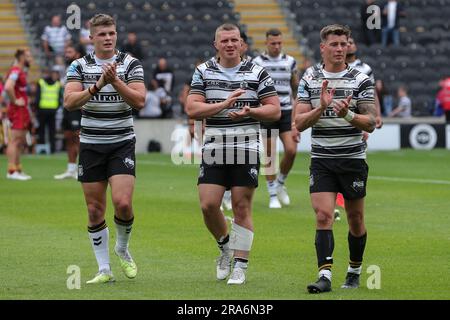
[106, 117]
[311, 69]
[362, 67]
[216, 83]
[332, 136]
[280, 70]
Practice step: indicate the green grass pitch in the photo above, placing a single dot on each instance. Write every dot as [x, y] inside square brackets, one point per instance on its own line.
[43, 232]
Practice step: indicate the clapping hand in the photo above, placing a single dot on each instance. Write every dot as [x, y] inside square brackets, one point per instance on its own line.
[341, 107]
[237, 115]
[109, 72]
[326, 97]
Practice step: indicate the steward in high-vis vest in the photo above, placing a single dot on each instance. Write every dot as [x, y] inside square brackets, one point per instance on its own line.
[48, 100]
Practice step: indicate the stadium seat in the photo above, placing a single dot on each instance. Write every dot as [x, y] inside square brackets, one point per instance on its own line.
[421, 105]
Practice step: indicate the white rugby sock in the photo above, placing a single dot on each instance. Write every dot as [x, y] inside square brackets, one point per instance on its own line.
[224, 243]
[354, 270]
[123, 232]
[281, 178]
[72, 167]
[99, 237]
[272, 188]
[240, 263]
[326, 273]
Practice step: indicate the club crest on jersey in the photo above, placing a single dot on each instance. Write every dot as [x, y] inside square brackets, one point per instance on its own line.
[348, 92]
[243, 85]
[129, 163]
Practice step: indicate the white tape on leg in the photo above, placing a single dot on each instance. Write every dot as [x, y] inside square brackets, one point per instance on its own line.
[240, 238]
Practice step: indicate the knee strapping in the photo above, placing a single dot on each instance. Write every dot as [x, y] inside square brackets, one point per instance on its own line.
[240, 238]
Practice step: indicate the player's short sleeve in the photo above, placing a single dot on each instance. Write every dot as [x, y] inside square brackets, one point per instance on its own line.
[303, 94]
[294, 66]
[74, 72]
[266, 87]
[197, 83]
[369, 73]
[45, 35]
[14, 75]
[366, 92]
[135, 72]
[372, 77]
[257, 60]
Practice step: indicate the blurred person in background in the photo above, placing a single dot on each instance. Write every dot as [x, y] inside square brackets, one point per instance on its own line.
[48, 99]
[391, 13]
[85, 40]
[18, 112]
[443, 97]
[54, 39]
[132, 46]
[384, 97]
[155, 98]
[403, 109]
[282, 68]
[71, 124]
[164, 74]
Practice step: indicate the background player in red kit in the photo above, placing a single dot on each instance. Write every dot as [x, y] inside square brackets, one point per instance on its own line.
[18, 113]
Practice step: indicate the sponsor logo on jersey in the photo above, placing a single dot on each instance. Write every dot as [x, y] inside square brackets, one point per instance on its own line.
[269, 83]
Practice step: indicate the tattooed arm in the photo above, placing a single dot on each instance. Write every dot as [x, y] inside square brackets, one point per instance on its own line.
[365, 120]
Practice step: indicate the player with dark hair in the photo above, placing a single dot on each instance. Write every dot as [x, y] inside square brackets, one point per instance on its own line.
[283, 70]
[338, 116]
